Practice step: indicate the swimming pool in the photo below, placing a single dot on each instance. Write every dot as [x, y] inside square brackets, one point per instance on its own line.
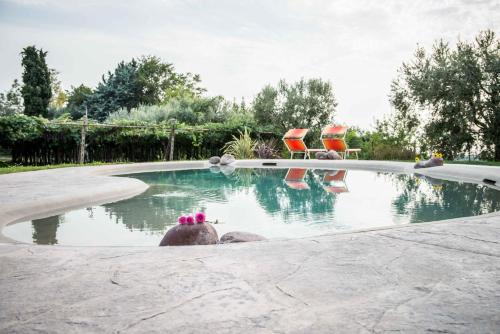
[276, 203]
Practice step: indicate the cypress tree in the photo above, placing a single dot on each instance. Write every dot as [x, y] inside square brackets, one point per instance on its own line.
[36, 89]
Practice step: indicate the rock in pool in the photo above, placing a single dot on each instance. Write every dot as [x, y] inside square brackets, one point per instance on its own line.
[185, 235]
[231, 237]
[214, 160]
[227, 159]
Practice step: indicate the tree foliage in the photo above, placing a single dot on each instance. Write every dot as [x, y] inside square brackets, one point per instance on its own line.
[11, 102]
[145, 81]
[455, 94]
[77, 98]
[303, 104]
[36, 89]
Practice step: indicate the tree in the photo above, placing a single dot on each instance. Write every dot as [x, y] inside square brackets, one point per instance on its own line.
[119, 89]
[36, 90]
[77, 99]
[455, 94]
[145, 81]
[159, 81]
[59, 97]
[11, 102]
[307, 104]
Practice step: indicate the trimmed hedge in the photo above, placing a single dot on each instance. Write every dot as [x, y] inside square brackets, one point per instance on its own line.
[38, 141]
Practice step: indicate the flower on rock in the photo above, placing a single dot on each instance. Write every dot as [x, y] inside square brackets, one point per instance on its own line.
[190, 220]
[200, 217]
[182, 220]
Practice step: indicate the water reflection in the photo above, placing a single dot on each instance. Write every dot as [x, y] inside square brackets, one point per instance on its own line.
[272, 202]
[425, 198]
[45, 230]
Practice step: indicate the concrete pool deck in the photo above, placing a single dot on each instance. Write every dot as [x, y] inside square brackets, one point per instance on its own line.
[435, 277]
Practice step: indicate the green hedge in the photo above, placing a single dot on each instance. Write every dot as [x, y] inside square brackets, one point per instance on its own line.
[38, 141]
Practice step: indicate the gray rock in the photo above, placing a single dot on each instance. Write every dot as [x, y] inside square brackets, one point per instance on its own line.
[333, 155]
[186, 235]
[320, 155]
[236, 236]
[435, 162]
[227, 159]
[214, 160]
[432, 162]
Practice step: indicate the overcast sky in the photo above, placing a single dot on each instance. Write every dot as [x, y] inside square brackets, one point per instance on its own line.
[239, 46]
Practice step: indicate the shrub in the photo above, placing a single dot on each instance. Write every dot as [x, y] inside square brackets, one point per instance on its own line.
[241, 147]
[267, 149]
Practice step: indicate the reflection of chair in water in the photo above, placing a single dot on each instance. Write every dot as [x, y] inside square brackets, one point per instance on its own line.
[295, 178]
[334, 181]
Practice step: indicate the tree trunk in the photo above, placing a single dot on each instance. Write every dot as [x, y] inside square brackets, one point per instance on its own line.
[497, 150]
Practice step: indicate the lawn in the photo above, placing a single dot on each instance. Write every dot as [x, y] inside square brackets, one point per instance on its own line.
[9, 168]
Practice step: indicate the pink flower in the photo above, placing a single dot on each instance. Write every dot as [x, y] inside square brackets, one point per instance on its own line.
[200, 217]
[182, 220]
[190, 220]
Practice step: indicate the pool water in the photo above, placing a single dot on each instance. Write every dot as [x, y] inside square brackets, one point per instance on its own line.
[275, 203]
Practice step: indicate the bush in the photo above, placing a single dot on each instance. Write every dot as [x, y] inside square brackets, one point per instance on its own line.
[241, 147]
[37, 141]
[267, 149]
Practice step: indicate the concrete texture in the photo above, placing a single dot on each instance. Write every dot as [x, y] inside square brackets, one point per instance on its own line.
[433, 277]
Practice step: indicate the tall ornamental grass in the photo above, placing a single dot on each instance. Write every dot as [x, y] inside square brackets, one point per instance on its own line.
[241, 147]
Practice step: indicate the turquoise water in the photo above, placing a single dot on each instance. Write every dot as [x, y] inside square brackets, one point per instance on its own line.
[263, 201]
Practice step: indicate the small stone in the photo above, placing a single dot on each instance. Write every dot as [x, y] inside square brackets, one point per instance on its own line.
[231, 237]
[186, 235]
[320, 155]
[227, 159]
[214, 160]
[333, 155]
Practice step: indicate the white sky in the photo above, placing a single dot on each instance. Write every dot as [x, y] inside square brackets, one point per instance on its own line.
[239, 46]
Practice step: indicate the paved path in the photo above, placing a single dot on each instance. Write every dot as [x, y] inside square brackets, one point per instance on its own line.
[432, 277]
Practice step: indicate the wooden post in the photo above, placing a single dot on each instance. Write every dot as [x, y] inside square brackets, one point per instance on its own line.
[171, 142]
[85, 124]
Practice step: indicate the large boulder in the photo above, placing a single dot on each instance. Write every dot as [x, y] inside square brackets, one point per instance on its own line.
[231, 237]
[214, 160]
[227, 159]
[186, 235]
[333, 155]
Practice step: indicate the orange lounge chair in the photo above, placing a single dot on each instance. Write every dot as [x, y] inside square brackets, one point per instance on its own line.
[333, 138]
[294, 142]
[295, 178]
[335, 182]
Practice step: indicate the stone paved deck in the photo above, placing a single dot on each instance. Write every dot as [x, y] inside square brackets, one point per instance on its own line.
[431, 277]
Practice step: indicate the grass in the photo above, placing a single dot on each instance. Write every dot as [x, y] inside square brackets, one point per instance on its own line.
[9, 168]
